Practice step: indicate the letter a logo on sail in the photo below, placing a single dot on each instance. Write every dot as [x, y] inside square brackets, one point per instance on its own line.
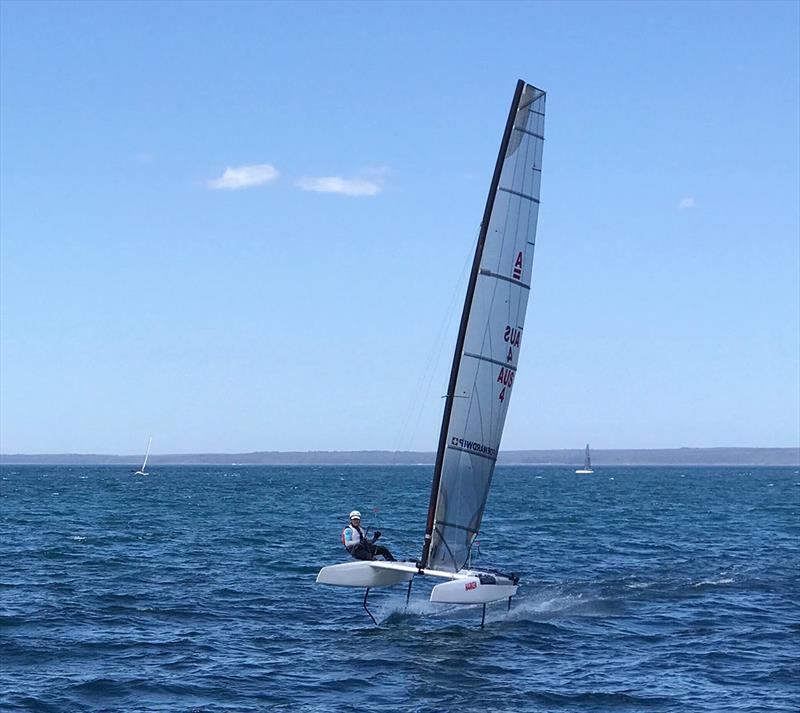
[518, 267]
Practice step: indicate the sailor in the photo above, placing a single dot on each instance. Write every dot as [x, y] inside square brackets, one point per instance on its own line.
[359, 545]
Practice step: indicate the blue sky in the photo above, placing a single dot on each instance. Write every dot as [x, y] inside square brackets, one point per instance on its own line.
[308, 298]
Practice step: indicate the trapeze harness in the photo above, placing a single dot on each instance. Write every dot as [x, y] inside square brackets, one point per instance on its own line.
[352, 537]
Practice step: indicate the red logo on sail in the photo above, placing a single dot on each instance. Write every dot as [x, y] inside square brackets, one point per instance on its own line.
[518, 267]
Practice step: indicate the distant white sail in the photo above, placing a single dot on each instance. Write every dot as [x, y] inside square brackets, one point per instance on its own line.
[142, 470]
[587, 463]
[487, 353]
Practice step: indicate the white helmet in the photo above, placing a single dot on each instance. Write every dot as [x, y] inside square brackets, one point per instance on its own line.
[355, 513]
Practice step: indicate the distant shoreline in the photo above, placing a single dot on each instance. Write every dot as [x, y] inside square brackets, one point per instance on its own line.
[563, 457]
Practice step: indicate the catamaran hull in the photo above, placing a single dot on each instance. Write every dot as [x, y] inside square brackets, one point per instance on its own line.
[471, 591]
[363, 574]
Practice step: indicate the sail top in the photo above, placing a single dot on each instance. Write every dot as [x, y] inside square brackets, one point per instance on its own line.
[487, 349]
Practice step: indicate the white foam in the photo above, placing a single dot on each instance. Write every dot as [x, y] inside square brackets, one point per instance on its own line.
[714, 582]
[416, 607]
[551, 603]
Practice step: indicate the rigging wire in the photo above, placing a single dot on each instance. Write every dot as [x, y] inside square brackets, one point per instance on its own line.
[418, 399]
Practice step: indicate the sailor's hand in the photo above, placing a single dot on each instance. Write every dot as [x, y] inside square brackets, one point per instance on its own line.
[377, 535]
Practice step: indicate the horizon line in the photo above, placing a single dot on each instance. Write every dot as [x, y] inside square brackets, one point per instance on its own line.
[681, 456]
[391, 450]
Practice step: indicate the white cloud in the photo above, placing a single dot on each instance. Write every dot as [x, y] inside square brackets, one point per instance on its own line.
[345, 186]
[244, 177]
[687, 202]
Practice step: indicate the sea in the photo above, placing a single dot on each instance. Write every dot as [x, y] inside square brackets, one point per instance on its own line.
[193, 589]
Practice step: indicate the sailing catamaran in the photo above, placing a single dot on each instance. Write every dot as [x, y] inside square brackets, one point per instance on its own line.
[587, 464]
[142, 471]
[481, 379]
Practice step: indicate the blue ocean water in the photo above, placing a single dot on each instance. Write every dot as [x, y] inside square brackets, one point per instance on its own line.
[664, 589]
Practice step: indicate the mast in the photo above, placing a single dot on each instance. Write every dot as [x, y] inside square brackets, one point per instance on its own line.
[473, 280]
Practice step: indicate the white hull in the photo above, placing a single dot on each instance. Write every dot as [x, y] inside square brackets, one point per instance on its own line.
[583, 471]
[472, 590]
[365, 574]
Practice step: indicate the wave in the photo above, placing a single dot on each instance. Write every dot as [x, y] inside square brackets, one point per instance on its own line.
[558, 604]
[714, 582]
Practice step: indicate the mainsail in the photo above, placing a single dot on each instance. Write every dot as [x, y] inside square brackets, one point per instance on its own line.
[487, 348]
[587, 461]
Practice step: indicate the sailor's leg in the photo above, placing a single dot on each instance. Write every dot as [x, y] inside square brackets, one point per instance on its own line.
[362, 553]
[383, 552]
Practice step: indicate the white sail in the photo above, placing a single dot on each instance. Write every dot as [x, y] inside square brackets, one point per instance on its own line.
[142, 470]
[485, 367]
[147, 453]
[587, 463]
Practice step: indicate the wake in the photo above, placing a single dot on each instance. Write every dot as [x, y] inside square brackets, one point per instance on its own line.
[539, 606]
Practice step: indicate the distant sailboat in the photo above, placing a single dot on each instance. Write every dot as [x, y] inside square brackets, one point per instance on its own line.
[587, 464]
[144, 465]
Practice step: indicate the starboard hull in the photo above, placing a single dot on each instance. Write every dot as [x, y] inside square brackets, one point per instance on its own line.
[471, 590]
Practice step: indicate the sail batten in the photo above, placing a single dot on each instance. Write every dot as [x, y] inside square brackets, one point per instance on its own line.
[487, 349]
[530, 133]
[521, 195]
[491, 361]
[489, 273]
